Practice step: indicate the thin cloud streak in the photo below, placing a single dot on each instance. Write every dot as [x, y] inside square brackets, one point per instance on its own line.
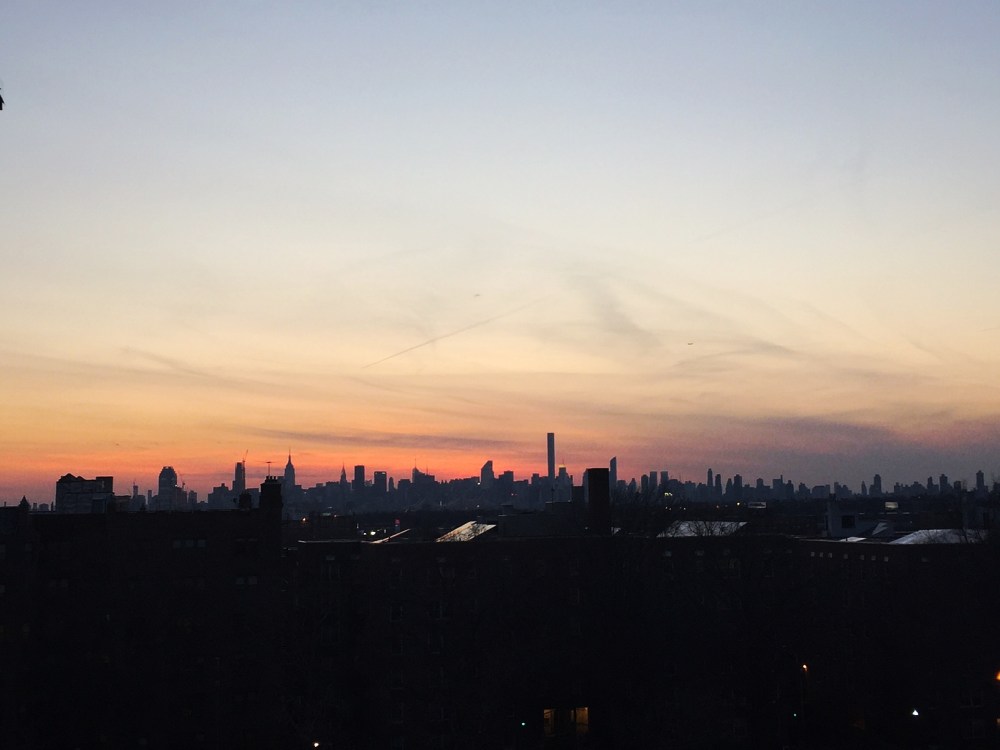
[386, 440]
[443, 336]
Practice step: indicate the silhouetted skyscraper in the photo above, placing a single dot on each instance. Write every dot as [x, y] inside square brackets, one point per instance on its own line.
[486, 475]
[358, 485]
[380, 482]
[552, 456]
[613, 473]
[167, 488]
[289, 490]
[240, 479]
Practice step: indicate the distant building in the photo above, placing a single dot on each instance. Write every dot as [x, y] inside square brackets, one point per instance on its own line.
[240, 478]
[486, 476]
[167, 489]
[288, 480]
[78, 495]
[380, 483]
[221, 498]
[551, 450]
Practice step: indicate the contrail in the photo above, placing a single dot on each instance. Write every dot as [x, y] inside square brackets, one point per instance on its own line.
[477, 324]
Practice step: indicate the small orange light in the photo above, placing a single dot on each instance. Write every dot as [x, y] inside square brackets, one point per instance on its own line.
[998, 676]
[805, 667]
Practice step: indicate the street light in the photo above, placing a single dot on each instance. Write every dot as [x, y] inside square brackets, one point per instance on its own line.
[802, 690]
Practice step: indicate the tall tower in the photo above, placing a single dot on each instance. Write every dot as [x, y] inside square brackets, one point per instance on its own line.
[289, 478]
[613, 473]
[552, 457]
[167, 488]
[240, 479]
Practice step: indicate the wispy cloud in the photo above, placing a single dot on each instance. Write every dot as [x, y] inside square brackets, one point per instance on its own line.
[364, 439]
[441, 337]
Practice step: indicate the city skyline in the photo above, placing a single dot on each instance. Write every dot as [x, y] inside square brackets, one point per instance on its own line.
[756, 238]
[248, 474]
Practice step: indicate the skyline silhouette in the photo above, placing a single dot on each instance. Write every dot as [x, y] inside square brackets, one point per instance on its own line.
[299, 479]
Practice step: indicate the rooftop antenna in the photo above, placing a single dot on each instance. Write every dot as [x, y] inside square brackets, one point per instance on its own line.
[269, 468]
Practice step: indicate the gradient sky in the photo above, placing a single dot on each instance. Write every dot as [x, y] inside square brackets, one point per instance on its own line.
[761, 237]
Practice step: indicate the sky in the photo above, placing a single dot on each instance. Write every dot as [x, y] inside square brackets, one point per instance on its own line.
[758, 237]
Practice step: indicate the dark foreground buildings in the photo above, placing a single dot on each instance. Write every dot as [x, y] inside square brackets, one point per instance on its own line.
[222, 630]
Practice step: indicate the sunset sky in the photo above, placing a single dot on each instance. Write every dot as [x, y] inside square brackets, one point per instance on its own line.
[761, 237]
